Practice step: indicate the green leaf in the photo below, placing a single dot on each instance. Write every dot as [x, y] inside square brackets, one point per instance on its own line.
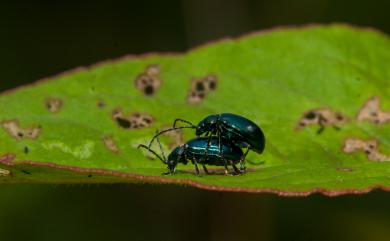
[66, 129]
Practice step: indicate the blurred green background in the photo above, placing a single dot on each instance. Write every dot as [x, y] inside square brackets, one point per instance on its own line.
[43, 38]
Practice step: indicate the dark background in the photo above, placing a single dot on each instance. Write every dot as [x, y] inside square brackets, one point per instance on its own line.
[42, 38]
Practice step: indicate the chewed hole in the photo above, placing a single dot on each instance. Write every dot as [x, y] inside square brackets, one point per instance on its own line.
[124, 123]
[53, 105]
[149, 90]
[212, 85]
[372, 112]
[148, 82]
[369, 147]
[132, 121]
[211, 82]
[311, 115]
[199, 86]
[322, 117]
[13, 128]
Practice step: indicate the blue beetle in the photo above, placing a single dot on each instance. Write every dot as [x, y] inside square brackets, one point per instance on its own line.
[194, 151]
[229, 127]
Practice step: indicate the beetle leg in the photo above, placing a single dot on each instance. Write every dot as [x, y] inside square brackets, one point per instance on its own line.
[205, 169]
[196, 168]
[206, 153]
[242, 161]
[226, 169]
[236, 171]
[170, 172]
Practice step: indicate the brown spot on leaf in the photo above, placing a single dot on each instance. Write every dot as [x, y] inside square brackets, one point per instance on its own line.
[53, 104]
[109, 142]
[132, 121]
[13, 128]
[322, 117]
[369, 147]
[149, 81]
[200, 88]
[344, 169]
[371, 111]
[101, 104]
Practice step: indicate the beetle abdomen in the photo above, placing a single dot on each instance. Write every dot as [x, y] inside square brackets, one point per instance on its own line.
[196, 149]
[243, 132]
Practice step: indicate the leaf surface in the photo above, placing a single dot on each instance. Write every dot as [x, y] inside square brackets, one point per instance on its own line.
[272, 78]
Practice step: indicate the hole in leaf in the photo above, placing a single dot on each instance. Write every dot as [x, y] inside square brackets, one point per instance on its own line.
[310, 115]
[132, 121]
[148, 82]
[13, 128]
[371, 112]
[369, 147]
[200, 88]
[53, 105]
[124, 123]
[210, 81]
[322, 117]
[149, 90]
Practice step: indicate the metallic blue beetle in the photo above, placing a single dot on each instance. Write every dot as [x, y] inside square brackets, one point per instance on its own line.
[228, 128]
[194, 151]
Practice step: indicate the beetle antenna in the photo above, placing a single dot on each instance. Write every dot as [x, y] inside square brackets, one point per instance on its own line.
[161, 149]
[167, 130]
[185, 121]
[150, 150]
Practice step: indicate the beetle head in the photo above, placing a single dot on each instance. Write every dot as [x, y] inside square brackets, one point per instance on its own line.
[208, 124]
[175, 157]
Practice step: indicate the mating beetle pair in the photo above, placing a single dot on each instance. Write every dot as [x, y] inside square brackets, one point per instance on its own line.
[224, 136]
